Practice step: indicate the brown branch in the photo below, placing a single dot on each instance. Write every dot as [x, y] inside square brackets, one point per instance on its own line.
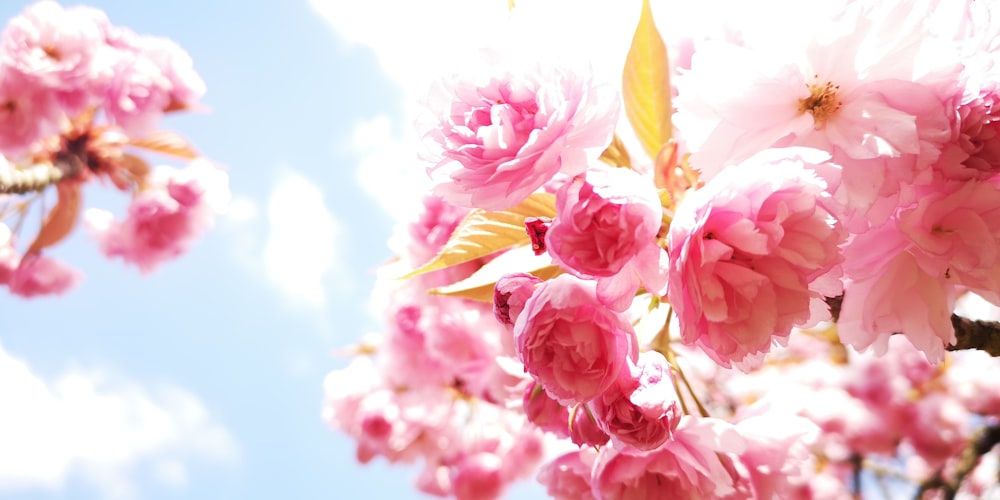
[34, 178]
[969, 333]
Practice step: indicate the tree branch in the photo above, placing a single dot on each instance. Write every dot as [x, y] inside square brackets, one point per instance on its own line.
[969, 333]
[34, 178]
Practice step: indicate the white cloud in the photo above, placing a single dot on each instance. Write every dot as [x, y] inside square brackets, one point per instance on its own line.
[300, 253]
[418, 42]
[100, 426]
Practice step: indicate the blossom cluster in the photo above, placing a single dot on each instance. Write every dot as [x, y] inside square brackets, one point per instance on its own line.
[760, 307]
[79, 97]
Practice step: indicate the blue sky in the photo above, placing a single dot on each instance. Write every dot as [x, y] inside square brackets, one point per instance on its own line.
[204, 379]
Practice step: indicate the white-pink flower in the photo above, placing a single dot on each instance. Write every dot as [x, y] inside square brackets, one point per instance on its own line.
[499, 139]
[751, 255]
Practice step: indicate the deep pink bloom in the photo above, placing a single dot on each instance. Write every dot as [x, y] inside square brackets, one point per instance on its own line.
[568, 476]
[641, 410]
[693, 465]
[500, 139]
[751, 254]
[777, 454]
[606, 229]
[570, 343]
[40, 275]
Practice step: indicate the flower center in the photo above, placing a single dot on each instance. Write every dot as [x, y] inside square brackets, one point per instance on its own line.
[822, 102]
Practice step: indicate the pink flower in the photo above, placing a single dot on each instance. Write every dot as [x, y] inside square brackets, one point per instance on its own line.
[162, 221]
[583, 428]
[693, 465]
[606, 229]
[751, 255]
[477, 477]
[640, 411]
[568, 476]
[39, 275]
[55, 49]
[570, 343]
[502, 138]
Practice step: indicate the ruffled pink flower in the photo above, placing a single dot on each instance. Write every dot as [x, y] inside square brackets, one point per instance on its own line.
[955, 232]
[689, 466]
[163, 221]
[502, 138]
[751, 255]
[606, 229]
[570, 343]
[40, 275]
[568, 476]
[641, 410]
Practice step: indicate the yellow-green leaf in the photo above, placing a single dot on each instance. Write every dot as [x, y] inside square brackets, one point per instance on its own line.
[480, 285]
[646, 85]
[483, 233]
[615, 154]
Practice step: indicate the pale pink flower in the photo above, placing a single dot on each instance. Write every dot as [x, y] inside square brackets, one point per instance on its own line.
[751, 254]
[693, 465]
[777, 455]
[501, 138]
[568, 476]
[938, 427]
[606, 230]
[138, 94]
[164, 220]
[186, 86]
[895, 296]
[9, 259]
[40, 275]
[570, 343]
[641, 410]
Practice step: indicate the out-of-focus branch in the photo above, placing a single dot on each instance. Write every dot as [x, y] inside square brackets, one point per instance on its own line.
[981, 443]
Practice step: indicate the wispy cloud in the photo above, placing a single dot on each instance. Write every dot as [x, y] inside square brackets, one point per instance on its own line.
[100, 426]
[301, 252]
